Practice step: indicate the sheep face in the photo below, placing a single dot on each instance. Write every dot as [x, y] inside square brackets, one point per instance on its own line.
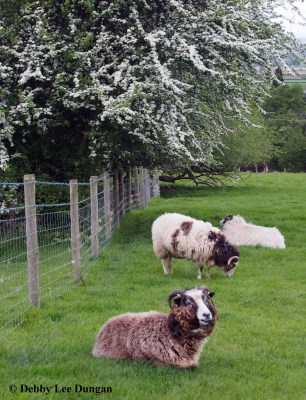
[225, 256]
[193, 308]
[226, 219]
[237, 219]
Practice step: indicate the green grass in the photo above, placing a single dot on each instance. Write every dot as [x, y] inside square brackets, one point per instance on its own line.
[301, 82]
[258, 348]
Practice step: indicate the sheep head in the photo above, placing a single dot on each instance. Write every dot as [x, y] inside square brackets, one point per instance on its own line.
[235, 219]
[192, 312]
[229, 217]
[225, 255]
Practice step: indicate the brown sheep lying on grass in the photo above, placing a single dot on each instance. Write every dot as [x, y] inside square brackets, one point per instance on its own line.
[175, 339]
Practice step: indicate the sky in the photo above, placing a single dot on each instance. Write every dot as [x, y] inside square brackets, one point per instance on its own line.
[297, 30]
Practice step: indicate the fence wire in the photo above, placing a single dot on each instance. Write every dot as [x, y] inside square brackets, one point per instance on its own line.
[56, 264]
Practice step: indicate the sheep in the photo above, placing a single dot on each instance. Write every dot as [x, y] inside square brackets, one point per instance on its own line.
[174, 339]
[180, 236]
[241, 233]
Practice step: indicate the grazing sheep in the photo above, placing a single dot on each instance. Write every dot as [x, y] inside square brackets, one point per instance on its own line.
[240, 233]
[179, 236]
[165, 339]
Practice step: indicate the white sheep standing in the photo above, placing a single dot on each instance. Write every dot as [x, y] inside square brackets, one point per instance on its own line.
[175, 339]
[241, 233]
[179, 236]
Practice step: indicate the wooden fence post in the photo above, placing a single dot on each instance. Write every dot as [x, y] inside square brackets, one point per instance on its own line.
[32, 239]
[107, 208]
[141, 186]
[75, 229]
[116, 199]
[94, 216]
[144, 187]
[137, 186]
[121, 193]
[129, 189]
[148, 186]
[156, 192]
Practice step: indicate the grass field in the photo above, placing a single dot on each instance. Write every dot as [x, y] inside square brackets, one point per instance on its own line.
[258, 348]
[301, 82]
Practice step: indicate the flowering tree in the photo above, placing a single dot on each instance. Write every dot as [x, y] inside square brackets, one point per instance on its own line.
[115, 83]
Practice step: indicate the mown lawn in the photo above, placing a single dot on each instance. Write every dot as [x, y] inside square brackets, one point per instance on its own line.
[258, 348]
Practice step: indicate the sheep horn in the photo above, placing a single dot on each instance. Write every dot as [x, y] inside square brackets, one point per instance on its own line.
[202, 287]
[173, 295]
[234, 258]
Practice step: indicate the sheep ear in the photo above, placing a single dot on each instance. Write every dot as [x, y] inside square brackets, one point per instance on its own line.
[211, 294]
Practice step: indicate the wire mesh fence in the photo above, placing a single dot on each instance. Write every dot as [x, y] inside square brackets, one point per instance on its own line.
[46, 249]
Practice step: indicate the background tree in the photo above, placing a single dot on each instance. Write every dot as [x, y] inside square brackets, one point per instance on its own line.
[247, 147]
[88, 84]
[286, 122]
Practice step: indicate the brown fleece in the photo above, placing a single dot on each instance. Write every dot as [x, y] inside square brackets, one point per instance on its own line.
[175, 242]
[186, 227]
[174, 339]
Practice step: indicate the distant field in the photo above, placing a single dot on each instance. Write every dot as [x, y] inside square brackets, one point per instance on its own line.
[296, 81]
[258, 349]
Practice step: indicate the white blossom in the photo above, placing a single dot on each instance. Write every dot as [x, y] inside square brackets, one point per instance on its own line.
[158, 78]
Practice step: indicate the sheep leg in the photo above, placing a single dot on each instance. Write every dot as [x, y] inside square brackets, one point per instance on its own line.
[165, 265]
[200, 268]
[169, 265]
[208, 271]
